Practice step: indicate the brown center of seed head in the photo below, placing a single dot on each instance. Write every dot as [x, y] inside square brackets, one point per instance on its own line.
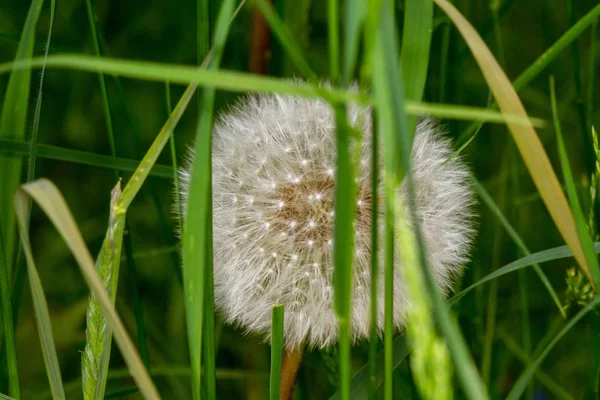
[307, 210]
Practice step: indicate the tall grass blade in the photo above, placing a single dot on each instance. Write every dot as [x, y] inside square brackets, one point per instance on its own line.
[333, 30]
[197, 228]
[414, 55]
[13, 122]
[527, 141]
[582, 228]
[355, 14]
[7, 325]
[343, 239]
[387, 82]
[48, 197]
[276, 351]
[519, 388]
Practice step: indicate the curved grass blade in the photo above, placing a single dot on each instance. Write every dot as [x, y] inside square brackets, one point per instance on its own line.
[13, 122]
[554, 253]
[53, 204]
[582, 229]
[40, 306]
[522, 382]
[527, 141]
[276, 351]
[545, 59]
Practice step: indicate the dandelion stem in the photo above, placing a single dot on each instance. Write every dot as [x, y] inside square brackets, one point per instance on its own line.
[289, 370]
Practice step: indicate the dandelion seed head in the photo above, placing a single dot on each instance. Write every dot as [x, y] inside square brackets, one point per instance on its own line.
[273, 217]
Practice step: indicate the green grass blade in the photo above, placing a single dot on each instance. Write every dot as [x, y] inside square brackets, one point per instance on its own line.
[38, 103]
[555, 253]
[333, 30]
[276, 351]
[355, 14]
[343, 251]
[580, 221]
[13, 125]
[395, 135]
[197, 229]
[385, 84]
[519, 388]
[7, 325]
[591, 74]
[82, 157]
[5, 397]
[414, 55]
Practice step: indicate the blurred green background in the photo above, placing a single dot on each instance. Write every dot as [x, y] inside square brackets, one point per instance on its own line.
[72, 117]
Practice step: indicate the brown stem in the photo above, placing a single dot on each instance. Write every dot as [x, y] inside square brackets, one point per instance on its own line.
[289, 369]
[259, 49]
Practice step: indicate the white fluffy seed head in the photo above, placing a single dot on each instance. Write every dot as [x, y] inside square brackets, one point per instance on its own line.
[274, 160]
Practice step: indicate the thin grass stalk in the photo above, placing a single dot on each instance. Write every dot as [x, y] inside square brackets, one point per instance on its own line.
[591, 75]
[102, 82]
[579, 97]
[197, 229]
[582, 229]
[345, 200]
[203, 40]
[276, 351]
[7, 325]
[414, 55]
[374, 335]
[355, 14]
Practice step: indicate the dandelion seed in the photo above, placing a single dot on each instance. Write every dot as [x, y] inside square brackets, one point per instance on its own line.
[294, 239]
